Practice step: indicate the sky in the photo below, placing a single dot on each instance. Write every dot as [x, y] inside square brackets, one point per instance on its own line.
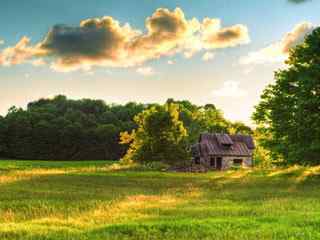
[206, 51]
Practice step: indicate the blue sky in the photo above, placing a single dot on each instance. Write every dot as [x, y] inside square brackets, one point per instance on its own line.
[223, 79]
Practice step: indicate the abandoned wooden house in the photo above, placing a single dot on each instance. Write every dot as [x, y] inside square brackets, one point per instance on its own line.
[222, 151]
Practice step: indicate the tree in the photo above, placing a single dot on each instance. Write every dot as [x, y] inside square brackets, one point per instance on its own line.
[206, 119]
[289, 111]
[240, 128]
[160, 136]
[64, 129]
[3, 132]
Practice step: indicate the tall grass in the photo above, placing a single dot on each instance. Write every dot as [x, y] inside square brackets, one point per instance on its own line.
[96, 200]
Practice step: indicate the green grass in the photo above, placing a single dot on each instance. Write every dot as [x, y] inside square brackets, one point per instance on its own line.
[97, 200]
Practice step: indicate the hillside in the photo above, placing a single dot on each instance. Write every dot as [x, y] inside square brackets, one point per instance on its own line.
[92, 200]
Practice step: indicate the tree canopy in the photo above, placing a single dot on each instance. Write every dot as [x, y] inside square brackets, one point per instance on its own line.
[65, 129]
[160, 136]
[289, 112]
[165, 133]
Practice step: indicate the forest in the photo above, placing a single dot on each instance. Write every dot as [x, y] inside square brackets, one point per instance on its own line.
[65, 129]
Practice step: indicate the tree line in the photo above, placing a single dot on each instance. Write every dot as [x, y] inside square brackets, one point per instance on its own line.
[66, 129]
[288, 115]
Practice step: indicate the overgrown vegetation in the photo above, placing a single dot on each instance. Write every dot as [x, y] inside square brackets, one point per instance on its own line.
[160, 137]
[60, 128]
[289, 112]
[91, 200]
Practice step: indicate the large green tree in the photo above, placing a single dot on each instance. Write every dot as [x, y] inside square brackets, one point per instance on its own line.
[3, 130]
[289, 111]
[160, 136]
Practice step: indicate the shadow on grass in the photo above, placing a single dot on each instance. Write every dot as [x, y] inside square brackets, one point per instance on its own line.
[229, 205]
[74, 195]
[210, 229]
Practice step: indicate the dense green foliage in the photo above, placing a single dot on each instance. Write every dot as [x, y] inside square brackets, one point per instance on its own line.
[166, 132]
[160, 137]
[61, 128]
[289, 111]
[207, 118]
[94, 201]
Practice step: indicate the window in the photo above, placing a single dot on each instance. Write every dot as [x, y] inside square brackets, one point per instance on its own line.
[212, 162]
[216, 162]
[226, 146]
[237, 162]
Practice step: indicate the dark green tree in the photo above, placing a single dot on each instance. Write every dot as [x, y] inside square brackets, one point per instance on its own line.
[289, 111]
[3, 133]
[64, 129]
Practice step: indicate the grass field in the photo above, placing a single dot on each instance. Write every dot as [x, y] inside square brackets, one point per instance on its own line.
[96, 200]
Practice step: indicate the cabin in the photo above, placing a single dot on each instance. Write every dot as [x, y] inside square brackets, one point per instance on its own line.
[217, 151]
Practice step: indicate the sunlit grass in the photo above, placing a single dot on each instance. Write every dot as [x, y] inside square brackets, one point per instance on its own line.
[309, 172]
[101, 200]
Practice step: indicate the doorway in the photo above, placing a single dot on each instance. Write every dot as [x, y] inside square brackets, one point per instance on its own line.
[219, 163]
[216, 163]
[212, 162]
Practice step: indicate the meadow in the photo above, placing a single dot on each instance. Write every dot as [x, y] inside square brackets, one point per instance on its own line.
[102, 200]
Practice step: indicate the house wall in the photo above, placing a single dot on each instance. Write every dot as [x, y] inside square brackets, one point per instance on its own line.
[227, 162]
[205, 161]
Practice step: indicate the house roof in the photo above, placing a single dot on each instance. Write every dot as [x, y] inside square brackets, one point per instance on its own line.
[224, 139]
[225, 144]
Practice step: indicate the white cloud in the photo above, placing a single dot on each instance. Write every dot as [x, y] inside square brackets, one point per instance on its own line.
[279, 51]
[38, 62]
[105, 42]
[146, 71]
[214, 36]
[207, 56]
[230, 89]
[1, 41]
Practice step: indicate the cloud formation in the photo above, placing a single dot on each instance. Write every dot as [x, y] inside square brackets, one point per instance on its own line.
[278, 51]
[19, 53]
[105, 42]
[214, 36]
[38, 62]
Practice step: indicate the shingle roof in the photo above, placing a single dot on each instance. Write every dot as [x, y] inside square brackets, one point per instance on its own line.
[248, 140]
[224, 139]
[217, 144]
